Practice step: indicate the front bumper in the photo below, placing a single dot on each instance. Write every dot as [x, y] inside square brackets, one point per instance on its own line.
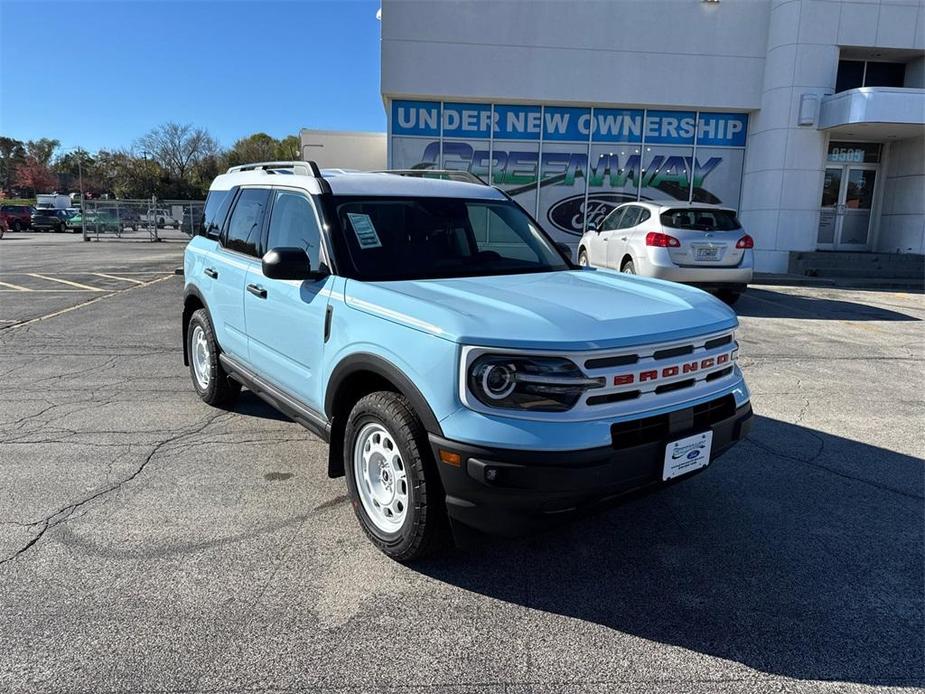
[508, 492]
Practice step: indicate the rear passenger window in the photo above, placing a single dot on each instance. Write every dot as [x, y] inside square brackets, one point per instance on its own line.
[643, 215]
[244, 227]
[293, 225]
[213, 215]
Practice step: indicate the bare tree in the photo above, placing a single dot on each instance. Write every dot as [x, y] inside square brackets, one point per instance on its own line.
[178, 148]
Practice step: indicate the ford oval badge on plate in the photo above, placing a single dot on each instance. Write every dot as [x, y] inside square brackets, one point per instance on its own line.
[687, 454]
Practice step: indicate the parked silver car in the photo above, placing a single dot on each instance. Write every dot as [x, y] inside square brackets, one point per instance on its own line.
[697, 244]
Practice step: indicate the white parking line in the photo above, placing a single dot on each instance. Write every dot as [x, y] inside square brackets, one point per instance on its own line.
[114, 277]
[85, 287]
[15, 286]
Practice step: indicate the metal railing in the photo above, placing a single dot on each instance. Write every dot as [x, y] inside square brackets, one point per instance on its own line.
[139, 220]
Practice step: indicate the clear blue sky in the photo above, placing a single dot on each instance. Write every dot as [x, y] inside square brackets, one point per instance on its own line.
[100, 74]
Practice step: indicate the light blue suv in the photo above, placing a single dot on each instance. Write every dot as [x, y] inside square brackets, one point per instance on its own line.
[463, 370]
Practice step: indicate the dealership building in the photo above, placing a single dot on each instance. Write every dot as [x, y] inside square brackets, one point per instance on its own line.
[806, 116]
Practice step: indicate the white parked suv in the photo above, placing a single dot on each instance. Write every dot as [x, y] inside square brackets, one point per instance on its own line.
[697, 244]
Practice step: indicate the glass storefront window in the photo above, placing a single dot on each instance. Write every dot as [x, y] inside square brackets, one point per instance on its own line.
[854, 152]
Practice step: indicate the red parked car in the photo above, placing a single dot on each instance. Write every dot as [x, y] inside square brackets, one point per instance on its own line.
[17, 217]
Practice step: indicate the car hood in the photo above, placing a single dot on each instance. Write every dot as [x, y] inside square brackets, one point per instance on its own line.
[581, 309]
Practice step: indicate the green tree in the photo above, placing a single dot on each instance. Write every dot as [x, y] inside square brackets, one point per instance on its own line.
[12, 154]
[42, 150]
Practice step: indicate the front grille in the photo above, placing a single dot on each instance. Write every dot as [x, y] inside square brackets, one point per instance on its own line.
[613, 397]
[719, 374]
[718, 342]
[709, 413]
[639, 431]
[673, 352]
[605, 362]
[657, 429]
[677, 385]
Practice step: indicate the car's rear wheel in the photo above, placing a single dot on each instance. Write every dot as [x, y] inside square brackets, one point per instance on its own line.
[209, 378]
[628, 268]
[583, 258]
[728, 296]
[391, 477]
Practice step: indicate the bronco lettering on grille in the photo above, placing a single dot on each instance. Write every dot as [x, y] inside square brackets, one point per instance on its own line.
[670, 371]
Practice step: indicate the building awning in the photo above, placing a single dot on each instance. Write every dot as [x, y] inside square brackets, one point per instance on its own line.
[874, 113]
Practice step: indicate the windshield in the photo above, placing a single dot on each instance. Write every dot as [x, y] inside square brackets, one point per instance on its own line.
[424, 238]
[700, 219]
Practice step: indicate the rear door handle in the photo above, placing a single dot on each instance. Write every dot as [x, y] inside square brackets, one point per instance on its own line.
[623, 238]
[257, 291]
[211, 273]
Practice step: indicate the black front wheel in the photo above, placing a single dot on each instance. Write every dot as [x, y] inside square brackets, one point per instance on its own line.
[391, 477]
[209, 378]
[729, 297]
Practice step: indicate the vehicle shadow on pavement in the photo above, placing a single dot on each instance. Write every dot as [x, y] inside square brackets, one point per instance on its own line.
[251, 405]
[765, 303]
[797, 554]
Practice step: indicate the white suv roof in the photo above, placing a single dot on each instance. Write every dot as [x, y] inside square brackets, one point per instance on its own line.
[343, 182]
[661, 205]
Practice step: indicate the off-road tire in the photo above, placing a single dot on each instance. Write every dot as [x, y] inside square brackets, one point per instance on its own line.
[221, 392]
[424, 530]
[729, 297]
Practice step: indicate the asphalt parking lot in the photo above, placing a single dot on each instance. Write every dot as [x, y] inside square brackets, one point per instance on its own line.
[151, 543]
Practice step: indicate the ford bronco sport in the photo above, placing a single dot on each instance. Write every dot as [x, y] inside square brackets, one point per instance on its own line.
[460, 366]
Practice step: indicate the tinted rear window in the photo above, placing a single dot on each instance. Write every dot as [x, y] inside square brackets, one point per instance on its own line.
[700, 220]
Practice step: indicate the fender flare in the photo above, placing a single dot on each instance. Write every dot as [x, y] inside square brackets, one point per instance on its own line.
[364, 361]
[190, 290]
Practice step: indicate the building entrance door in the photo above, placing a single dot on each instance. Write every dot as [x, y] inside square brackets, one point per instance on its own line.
[847, 197]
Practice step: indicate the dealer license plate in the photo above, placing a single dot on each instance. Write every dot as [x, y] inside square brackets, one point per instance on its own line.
[687, 454]
[707, 253]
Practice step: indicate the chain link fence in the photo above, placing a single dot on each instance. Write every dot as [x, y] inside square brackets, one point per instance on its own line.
[138, 220]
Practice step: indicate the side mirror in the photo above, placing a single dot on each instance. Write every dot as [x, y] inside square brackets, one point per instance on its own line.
[288, 263]
[593, 227]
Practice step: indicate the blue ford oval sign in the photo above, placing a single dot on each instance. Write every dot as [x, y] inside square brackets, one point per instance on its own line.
[569, 213]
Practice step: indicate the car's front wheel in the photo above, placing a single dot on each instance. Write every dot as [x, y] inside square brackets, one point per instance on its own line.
[209, 378]
[583, 258]
[17, 225]
[391, 477]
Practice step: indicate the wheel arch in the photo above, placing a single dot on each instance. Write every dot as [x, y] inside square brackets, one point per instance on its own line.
[356, 376]
[192, 302]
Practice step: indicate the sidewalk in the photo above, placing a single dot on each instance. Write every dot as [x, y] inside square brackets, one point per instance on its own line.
[792, 280]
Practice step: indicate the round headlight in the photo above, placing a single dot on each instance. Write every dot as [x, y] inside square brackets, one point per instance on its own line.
[497, 380]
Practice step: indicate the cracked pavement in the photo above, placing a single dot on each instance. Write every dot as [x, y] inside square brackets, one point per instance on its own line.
[151, 543]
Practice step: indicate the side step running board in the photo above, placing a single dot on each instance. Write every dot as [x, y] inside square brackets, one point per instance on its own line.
[297, 411]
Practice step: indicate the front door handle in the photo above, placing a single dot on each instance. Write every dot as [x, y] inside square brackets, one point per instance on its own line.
[257, 291]
[211, 273]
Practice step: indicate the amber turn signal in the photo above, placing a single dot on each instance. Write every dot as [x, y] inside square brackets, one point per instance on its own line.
[450, 458]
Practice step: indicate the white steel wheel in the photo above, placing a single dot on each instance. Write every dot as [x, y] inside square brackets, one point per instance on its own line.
[381, 477]
[201, 358]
